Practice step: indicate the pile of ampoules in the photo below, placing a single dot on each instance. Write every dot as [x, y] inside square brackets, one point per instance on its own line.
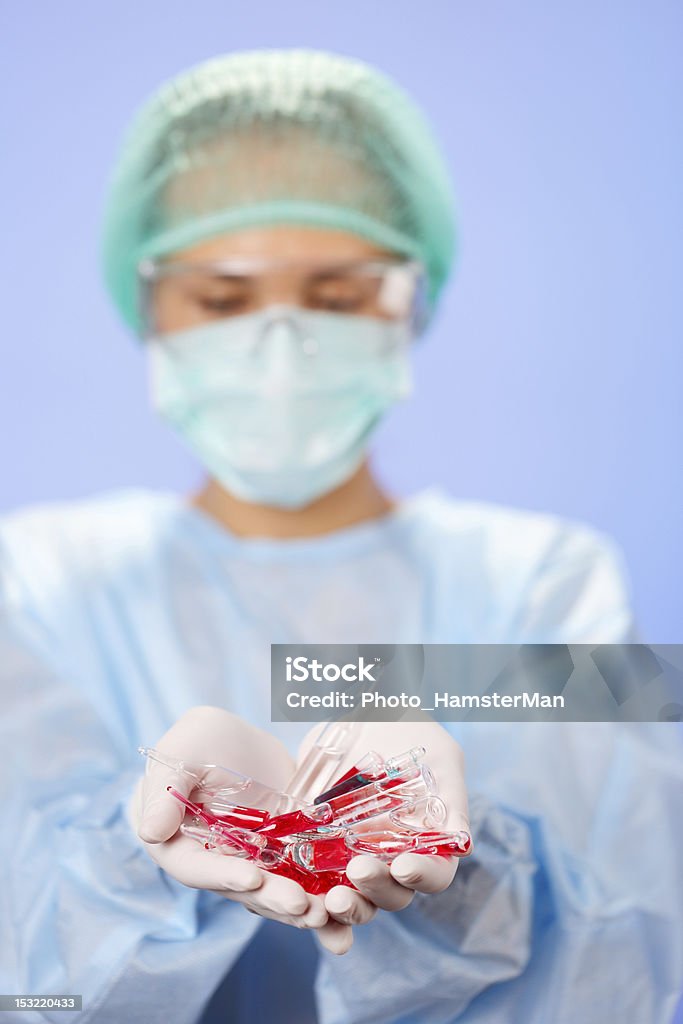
[312, 842]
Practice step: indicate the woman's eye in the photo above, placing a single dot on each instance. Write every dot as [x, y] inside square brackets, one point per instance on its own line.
[345, 299]
[339, 302]
[221, 304]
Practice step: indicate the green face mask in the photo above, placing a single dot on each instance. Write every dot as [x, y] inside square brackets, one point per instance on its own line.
[279, 404]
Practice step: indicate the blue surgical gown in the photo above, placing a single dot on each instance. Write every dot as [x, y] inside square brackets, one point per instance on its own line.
[121, 611]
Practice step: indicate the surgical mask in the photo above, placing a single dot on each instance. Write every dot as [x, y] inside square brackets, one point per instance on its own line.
[279, 404]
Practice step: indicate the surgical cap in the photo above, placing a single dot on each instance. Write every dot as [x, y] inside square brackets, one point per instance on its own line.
[271, 137]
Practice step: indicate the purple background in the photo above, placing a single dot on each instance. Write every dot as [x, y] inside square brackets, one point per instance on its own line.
[552, 377]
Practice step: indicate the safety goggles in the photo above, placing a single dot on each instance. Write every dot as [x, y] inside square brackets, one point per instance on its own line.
[176, 296]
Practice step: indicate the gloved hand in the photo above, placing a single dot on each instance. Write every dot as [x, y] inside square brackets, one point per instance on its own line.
[393, 886]
[211, 735]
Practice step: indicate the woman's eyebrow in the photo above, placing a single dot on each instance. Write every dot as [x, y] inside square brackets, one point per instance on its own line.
[330, 273]
[227, 275]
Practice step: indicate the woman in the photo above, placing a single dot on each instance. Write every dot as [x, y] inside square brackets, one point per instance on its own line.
[278, 232]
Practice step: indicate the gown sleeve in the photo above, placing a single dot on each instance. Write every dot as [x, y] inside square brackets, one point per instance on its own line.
[570, 905]
[84, 909]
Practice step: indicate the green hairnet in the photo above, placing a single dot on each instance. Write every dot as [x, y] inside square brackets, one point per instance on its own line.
[276, 136]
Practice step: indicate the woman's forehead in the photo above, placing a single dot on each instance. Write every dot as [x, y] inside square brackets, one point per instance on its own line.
[282, 241]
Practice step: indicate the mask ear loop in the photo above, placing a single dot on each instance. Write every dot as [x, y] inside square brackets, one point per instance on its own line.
[420, 317]
[145, 280]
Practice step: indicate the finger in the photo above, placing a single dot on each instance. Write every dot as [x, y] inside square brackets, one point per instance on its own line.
[335, 937]
[373, 880]
[160, 824]
[424, 873]
[349, 907]
[452, 786]
[161, 814]
[187, 862]
[315, 916]
[459, 822]
[278, 895]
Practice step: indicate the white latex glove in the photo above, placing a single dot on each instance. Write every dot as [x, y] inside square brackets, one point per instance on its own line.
[209, 735]
[393, 886]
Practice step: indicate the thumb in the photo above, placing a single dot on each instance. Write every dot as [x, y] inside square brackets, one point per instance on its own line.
[160, 813]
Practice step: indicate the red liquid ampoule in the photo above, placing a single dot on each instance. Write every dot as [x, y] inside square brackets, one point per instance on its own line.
[196, 809]
[306, 879]
[244, 817]
[322, 855]
[373, 768]
[306, 820]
